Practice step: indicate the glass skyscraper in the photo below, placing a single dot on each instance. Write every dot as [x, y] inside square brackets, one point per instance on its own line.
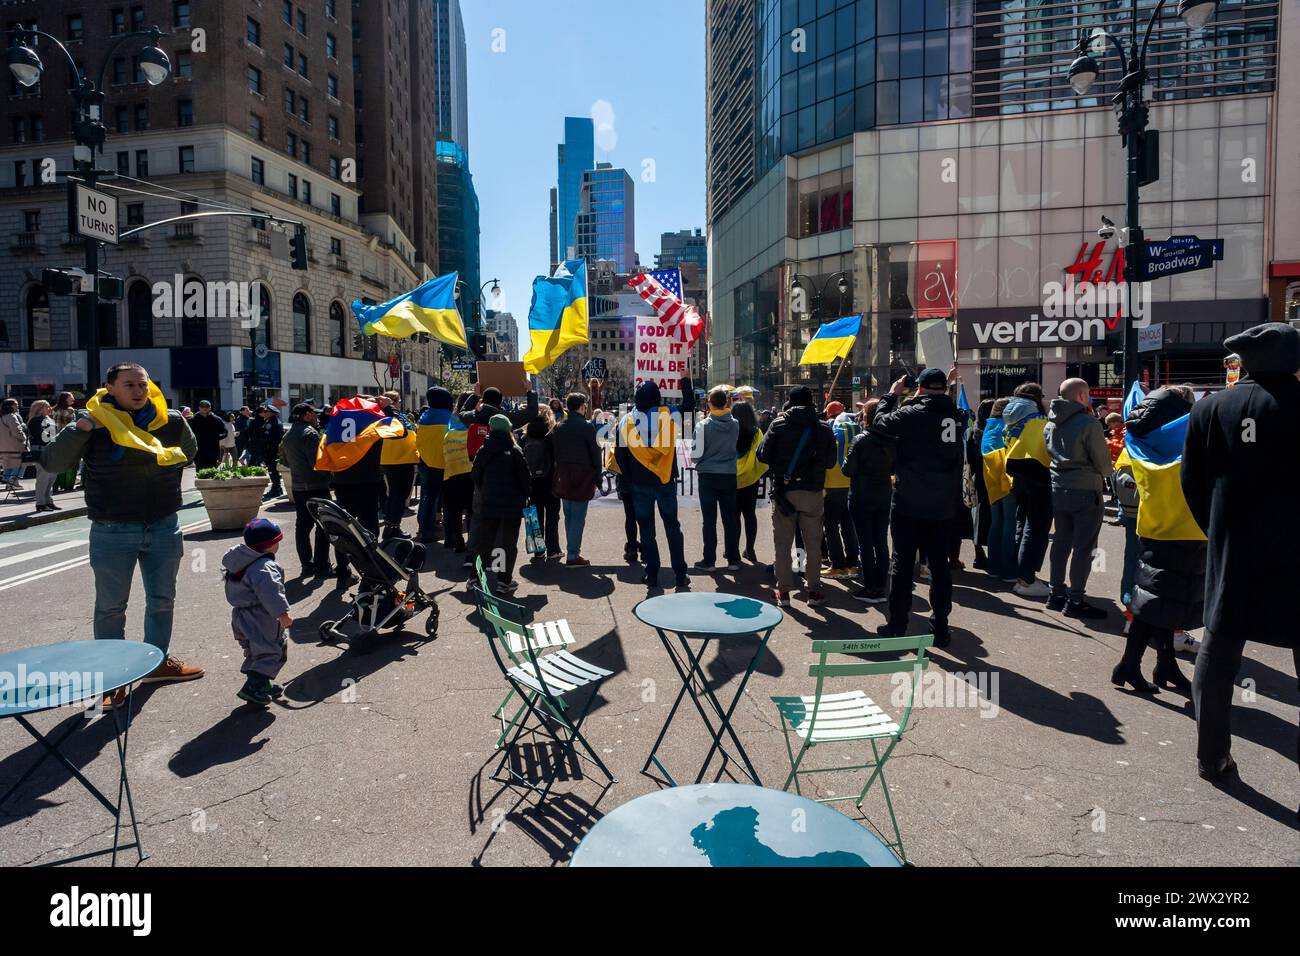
[458, 222]
[606, 223]
[577, 155]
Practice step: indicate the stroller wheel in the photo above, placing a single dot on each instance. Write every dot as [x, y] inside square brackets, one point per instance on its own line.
[431, 623]
[327, 632]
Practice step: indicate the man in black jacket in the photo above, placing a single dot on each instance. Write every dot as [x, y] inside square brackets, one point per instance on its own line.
[1242, 447]
[132, 501]
[208, 430]
[926, 491]
[264, 437]
[798, 449]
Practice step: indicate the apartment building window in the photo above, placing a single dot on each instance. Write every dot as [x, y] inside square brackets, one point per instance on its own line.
[76, 27]
[331, 46]
[254, 32]
[187, 159]
[304, 153]
[184, 65]
[119, 70]
[332, 127]
[258, 223]
[286, 12]
[141, 116]
[180, 13]
[32, 220]
[288, 56]
[337, 325]
[302, 22]
[20, 129]
[184, 112]
[254, 80]
[38, 129]
[336, 246]
[292, 145]
[293, 185]
[290, 101]
[117, 21]
[302, 65]
[306, 191]
[301, 324]
[255, 127]
[135, 214]
[304, 109]
[258, 172]
[336, 205]
[124, 163]
[334, 167]
[329, 9]
[142, 163]
[332, 86]
[122, 119]
[20, 172]
[137, 18]
[137, 71]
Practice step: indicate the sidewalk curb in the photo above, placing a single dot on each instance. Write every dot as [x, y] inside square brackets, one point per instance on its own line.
[45, 517]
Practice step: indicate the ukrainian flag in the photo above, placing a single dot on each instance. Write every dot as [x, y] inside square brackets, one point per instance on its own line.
[557, 318]
[1157, 463]
[1025, 439]
[834, 340]
[431, 308]
[993, 449]
[357, 424]
[430, 437]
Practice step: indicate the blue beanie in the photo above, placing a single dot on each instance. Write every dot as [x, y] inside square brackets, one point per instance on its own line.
[261, 533]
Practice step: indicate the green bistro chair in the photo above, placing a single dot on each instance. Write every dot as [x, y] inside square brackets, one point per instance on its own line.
[851, 715]
[544, 636]
[542, 683]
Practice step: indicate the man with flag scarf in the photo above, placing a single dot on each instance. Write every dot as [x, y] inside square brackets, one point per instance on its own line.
[430, 441]
[1028, 464]
[1240, 458]
[646, 455]
[133, 450]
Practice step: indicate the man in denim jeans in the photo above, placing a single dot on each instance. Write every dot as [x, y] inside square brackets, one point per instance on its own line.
[132, 500]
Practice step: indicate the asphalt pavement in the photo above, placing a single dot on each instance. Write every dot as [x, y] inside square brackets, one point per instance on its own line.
[1020, 752]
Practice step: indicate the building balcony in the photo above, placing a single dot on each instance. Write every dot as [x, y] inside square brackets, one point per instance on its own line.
[186, 232]
[341, 264]
[27, 242]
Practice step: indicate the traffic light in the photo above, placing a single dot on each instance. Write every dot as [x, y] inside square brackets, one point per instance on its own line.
[298, 249]
[478, 344]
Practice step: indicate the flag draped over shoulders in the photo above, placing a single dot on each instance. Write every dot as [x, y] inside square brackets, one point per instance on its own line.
[652, 440]
[132, 431]
[1024, 439]
[1156, 459]
[993, 450]
[357, 424]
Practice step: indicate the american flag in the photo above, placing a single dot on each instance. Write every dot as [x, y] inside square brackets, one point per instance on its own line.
[663, 291]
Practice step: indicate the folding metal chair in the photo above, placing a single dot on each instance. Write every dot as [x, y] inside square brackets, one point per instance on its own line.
[834, 718]
[543, 683]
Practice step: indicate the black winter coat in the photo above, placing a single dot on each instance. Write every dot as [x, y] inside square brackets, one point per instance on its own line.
[501, 477]
[1240, 459]
[778, 446]
[1169, 589]
[869, 466]
[930, 453]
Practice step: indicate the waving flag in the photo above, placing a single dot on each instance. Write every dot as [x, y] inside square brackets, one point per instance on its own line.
[431, 308]
[357, 424]
[662, 291]
[834, 340]
[1157, 462]
[557, 318]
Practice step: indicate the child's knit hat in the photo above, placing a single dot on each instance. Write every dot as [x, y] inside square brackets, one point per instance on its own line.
[261, 533]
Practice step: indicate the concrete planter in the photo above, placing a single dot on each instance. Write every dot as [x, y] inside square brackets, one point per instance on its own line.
[232, 503]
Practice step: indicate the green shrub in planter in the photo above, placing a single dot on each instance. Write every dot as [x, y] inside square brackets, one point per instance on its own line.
[226, 474]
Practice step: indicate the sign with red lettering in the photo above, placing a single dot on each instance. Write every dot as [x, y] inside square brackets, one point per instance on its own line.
[933, 277]
[660, 357]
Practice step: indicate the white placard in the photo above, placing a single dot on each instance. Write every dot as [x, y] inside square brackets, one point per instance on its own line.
[935, 340]
[1151, 338]
[660, 357]
[96, 215]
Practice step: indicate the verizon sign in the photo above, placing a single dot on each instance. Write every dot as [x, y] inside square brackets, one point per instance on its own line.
[977, 332]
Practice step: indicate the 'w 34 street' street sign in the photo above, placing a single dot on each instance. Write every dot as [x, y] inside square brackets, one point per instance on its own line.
[1176, 255]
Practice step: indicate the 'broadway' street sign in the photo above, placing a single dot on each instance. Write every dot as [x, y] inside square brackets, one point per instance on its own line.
[1178, 254]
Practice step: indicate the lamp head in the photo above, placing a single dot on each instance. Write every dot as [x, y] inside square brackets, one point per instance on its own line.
[154, 64]
[1083, 73]
[1195, 13]
[24, 63]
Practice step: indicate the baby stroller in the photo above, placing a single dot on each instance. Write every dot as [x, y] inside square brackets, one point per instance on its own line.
[389, 594]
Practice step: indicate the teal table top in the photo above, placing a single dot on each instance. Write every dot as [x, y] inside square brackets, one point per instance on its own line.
[708, 615]
[39, 678]
[729, 824]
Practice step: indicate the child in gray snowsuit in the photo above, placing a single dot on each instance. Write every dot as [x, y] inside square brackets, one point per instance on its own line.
[259, 611]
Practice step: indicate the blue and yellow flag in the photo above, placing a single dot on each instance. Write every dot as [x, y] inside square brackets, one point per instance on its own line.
[132, 430]
[845, 429]
[1157, 462]
[431, 308]
[1025, 439]
[834, 340]
[993, 449]
[455, 451]
[652, 441]
[557, 318]
[357, 424]
[430, 437]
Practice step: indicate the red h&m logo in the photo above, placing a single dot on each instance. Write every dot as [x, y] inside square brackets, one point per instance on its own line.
[1088, 271]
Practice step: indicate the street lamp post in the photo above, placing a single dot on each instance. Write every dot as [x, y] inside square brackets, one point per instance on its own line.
[89, 135]
[1130, 106]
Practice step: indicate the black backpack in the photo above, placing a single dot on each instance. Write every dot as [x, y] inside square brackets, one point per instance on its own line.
[538, 457]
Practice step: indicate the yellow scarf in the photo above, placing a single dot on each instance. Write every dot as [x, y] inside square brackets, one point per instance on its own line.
[126, 433]
[657, 457]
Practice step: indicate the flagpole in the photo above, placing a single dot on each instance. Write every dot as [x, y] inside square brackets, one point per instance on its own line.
[837, 376]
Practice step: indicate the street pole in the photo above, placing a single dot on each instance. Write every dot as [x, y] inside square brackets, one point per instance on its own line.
[1133, 250]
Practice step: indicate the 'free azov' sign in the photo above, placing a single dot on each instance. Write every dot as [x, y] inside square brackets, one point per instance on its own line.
[95, 215]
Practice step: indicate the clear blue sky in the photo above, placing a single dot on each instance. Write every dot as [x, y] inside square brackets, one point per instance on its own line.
[561, 57]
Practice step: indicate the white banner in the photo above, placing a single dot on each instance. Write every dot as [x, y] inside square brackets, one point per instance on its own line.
[659, 358]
